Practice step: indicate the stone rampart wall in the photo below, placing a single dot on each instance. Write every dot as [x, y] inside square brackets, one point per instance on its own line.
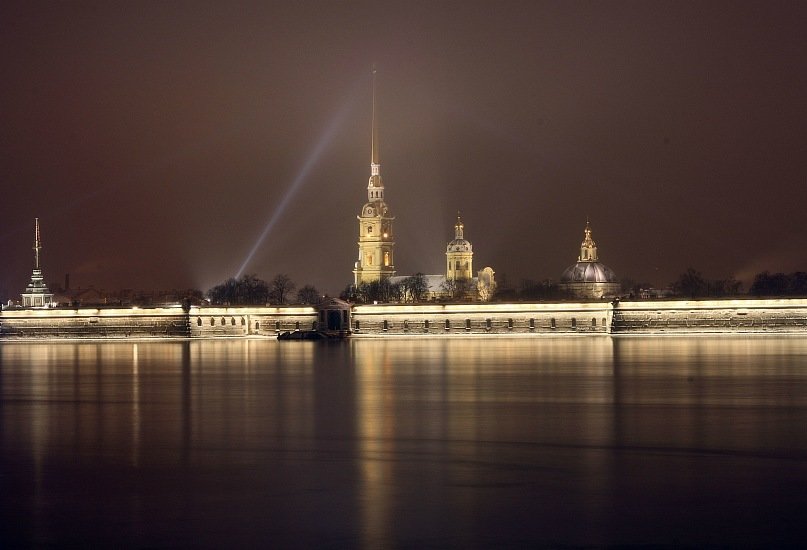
[685, 316]
[675, 317]
[245, 321]
[491, 319]
[94, 323]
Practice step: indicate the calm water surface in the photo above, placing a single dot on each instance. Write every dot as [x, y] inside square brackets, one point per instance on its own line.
[405, 443]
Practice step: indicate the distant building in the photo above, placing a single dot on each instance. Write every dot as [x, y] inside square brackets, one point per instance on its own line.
[36, 293]
[588, 277]
[375, 260]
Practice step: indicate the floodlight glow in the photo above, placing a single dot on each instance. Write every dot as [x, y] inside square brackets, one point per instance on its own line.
[311, 161]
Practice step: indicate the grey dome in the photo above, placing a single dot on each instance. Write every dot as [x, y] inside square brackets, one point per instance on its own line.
[588, 272]
[459, 245]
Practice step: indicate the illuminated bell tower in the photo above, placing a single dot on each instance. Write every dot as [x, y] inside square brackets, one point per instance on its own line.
[375, 223]
[588, 248]
[459, 255]
[36, 293]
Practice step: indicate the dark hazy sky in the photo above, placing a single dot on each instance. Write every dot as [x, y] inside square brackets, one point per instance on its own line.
[156, 140]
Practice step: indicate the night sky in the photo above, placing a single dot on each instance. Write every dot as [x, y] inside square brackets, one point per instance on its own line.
[156, 140]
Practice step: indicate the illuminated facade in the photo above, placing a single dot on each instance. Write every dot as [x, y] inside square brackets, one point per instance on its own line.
[588, 277]
[459, 255]
[376, 243]
[458, 282]
[36, 293]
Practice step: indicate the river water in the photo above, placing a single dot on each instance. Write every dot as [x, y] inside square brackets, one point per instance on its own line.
[416, 443]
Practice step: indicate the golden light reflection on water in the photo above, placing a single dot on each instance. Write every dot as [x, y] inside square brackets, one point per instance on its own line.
[384, 418]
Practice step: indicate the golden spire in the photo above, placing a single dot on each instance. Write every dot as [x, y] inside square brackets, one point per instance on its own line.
[375, 187]
[374, 145]
[458, 228]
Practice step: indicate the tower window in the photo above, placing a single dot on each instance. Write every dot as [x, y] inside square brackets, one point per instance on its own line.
[369, 229]
[199, 322]
[386, 259]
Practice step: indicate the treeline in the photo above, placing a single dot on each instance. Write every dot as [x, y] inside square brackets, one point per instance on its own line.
[530, 291]
[779, 284]
[410, 290]
[692, 284]
[250, 290]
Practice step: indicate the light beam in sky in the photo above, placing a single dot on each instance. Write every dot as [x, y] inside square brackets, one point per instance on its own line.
[311, 161]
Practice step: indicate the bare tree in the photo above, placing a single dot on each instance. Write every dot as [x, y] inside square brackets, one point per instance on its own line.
[281, 286]
[308, 295]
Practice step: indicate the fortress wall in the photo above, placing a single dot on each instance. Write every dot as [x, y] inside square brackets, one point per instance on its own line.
[94, 323]
[482, 319]
[675, 317]
[243, 321]
[693, 316]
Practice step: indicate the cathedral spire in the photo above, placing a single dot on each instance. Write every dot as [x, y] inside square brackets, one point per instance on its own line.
[375, 187]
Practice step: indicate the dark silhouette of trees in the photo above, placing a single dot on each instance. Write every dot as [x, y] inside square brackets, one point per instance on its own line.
[690, 283]
[308, 294]
[415, 288]
[281, 286]
[779, 284]
[458, 289]
[547, 290]
[376, 291]
[248, 290]
[693, 285]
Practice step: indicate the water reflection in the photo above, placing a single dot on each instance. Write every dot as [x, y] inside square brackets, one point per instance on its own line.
[459, 442]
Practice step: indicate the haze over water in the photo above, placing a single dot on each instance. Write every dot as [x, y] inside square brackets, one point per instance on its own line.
[486, 442]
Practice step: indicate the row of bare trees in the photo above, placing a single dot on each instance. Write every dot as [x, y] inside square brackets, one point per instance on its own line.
[251, 290]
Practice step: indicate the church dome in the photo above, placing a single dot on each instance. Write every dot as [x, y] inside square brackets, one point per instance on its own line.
[588, 272]
[458, 245]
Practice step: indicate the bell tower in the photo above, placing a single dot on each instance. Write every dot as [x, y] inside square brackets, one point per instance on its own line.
[376, 242]
[588, 248]
[459, 255]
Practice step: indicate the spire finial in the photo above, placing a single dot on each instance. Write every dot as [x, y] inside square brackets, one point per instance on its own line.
[37, 242]
[374, 145]
[375, 187]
